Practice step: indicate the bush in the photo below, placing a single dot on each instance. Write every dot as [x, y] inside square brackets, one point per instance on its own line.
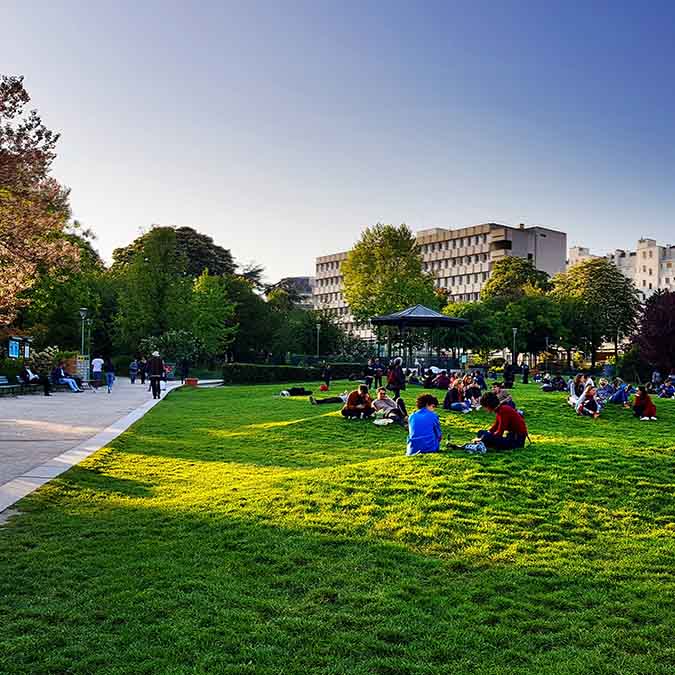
[10, 368]
[250, 373]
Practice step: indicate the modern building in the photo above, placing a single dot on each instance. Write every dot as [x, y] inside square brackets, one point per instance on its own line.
[651, 266]
[460, 260]
[301, 287]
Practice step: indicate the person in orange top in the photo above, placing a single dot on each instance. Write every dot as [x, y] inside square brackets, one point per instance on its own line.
[509, 430]
[359, 404]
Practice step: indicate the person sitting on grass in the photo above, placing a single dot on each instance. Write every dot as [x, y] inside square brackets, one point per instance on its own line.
[342, 398]
[643, 406]
[425, 434]
[503, 395]
[428, 381]
[390, 409]
[441, 381]
[621, 393]
[454, 399]
[588, 403]
[472, 391]
[667, 389]
[359, 404]
[509, 430]
[576, 389]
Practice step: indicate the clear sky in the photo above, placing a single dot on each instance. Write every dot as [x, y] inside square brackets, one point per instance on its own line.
[282, 128]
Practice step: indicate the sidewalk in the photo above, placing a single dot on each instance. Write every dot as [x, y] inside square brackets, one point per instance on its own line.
[40, 437]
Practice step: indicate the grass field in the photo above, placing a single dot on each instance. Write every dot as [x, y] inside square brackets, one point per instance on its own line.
[232, 532]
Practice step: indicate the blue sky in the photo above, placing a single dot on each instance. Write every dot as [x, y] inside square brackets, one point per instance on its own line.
[283, 128]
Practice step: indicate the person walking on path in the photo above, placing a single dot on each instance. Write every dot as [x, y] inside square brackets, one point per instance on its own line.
[97, 371]
[142, 369]
[184, 370]
[133, 371]
[109, 370]
[155, 370]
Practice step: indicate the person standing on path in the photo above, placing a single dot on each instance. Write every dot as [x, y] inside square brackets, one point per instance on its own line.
[142, 367]
[109, 370]
[155, 370]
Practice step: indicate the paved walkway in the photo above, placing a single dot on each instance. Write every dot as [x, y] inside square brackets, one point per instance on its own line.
[41, 436]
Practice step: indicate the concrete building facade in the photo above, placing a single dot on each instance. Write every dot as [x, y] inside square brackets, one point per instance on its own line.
[460, 260]
[651, 266]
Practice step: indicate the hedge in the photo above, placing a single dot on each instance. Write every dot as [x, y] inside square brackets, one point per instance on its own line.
[252, 373]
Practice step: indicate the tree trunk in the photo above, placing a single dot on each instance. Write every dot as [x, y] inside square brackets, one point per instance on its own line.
[616, 348]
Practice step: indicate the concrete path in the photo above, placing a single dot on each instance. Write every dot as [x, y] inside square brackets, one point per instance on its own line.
[40, 437]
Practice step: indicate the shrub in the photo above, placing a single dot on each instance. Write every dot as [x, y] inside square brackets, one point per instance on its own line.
[251, 373]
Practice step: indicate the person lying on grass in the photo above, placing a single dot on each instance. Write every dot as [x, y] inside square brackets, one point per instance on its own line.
[359, 404]
[644, 407]
[509, 430]
[424, 434]
[390, 409]
[342, 398]
[588, 403]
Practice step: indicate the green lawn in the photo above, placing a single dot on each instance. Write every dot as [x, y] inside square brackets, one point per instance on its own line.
[233, 532]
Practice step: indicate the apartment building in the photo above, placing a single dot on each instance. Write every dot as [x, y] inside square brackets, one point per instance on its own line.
[651, 266]
[460, 259]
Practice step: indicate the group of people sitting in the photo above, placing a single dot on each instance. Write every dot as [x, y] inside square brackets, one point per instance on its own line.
[589, 400]
[508, 432]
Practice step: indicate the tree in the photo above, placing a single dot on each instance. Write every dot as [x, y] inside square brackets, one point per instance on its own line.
[604, 302]
[213, 315]
[656, 334]
[33, 207]
[155, 291]
[198, 250]
[482, 333]
[383, 273]
[510, 277]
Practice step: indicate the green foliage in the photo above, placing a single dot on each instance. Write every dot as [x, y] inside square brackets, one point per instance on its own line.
[232, 532]
[656, 336]
[197, 250]
[250, 373]
[174, 345]
[597, 303]
[511, 277]
[154, 291]
[383, 273]
[213, 314]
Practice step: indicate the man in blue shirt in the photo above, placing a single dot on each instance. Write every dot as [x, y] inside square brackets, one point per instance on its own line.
[425, 427]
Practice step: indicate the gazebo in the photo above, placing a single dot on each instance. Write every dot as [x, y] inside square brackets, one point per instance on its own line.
[420, 316]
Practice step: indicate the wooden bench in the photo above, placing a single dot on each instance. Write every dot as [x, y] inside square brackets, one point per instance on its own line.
[7, 388]
[27, 388]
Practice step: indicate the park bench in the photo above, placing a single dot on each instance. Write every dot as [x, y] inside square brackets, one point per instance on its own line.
[7, 388]
[27, 388]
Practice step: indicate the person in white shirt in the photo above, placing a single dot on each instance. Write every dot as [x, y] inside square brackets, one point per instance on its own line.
[97, 370]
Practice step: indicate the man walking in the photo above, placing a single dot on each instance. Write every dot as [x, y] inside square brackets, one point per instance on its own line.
[155, 371]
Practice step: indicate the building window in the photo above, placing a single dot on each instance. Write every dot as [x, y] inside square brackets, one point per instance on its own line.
[650, 271]
[501, 245]
[530, 256]
[644, 283]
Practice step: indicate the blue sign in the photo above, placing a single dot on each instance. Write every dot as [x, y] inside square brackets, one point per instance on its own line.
[14, 349]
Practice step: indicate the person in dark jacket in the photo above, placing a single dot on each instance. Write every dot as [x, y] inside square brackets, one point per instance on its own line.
[526, 373]
[155, 371]
[27, 376]
[326, 375]
[142, 369]
[396, 378]
[109, 370]
[184, 370]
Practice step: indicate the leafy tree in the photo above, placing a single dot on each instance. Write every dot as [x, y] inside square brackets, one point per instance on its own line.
[511, 277]
[482, 333]
[198, 251]
[174, 345]
[383, 273]
[213, 315]
[154, 291]
[656, 335]
[33, 206]
[605, 303]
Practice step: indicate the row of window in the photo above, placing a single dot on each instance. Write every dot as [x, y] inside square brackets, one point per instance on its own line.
[465, 297]
[323, 298]
[463, 279]
[454, 243]
[453, 262]
[666, 282]
[328, 281]
[326, 267]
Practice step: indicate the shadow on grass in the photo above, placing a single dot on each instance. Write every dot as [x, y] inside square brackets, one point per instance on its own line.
[138, 590]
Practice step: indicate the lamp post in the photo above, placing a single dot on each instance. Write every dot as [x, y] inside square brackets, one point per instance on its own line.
[513, 356]
[89, 323]
[83, 316]
[318, 334]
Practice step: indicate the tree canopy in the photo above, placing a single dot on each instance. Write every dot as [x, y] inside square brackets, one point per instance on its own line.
[511, 277]
[383, 273]
[656, 337]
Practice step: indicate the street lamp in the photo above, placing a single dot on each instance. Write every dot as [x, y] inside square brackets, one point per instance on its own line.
[83, 316]
[318, 333]
[513, 356]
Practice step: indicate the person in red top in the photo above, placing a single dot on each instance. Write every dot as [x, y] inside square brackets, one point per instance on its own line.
[509, 430]
[644, 407]
[359, 404]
